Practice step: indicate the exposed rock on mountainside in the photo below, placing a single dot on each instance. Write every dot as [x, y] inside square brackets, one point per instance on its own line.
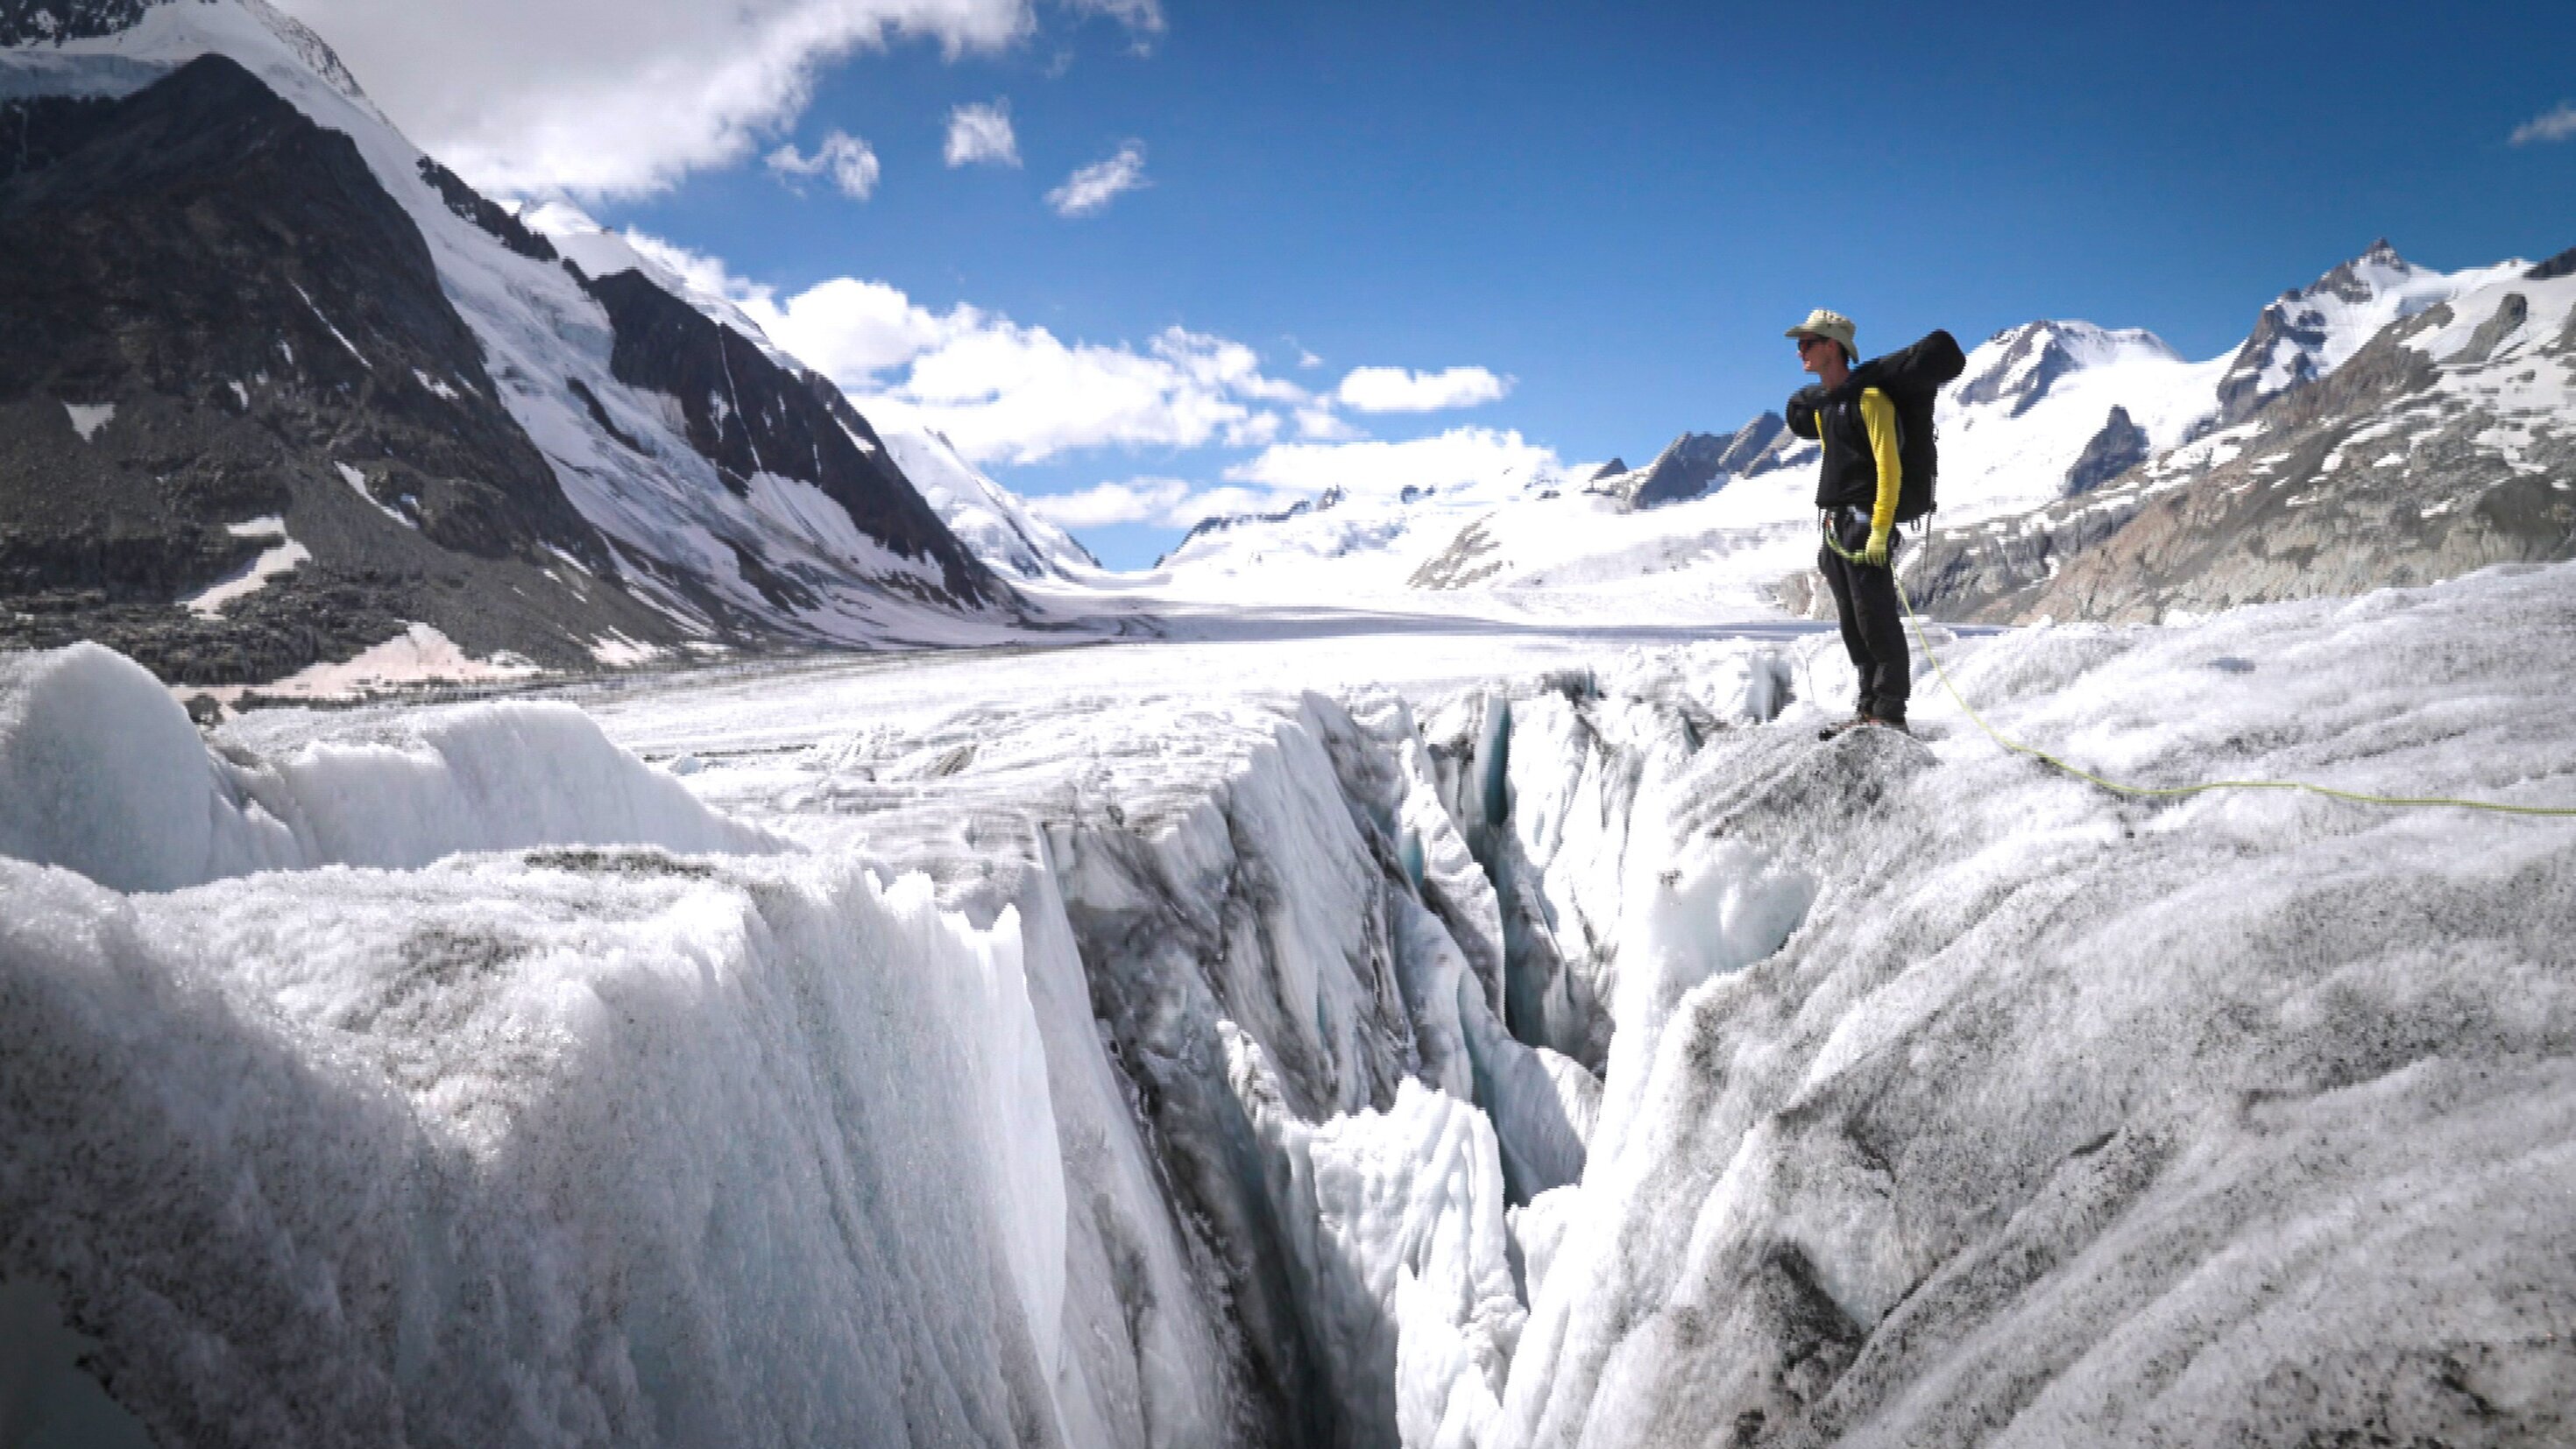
[2120, 446]
[41, 22]
[2400, 468]
[281, 348]
[1692, 462]
[2022, 363]
[749, 416]
[1330, 498]
[2304, 334]
[2443, 445]
[465, 201]
[277, 387]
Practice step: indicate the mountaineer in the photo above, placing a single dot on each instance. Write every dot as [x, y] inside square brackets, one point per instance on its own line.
[1857, 487]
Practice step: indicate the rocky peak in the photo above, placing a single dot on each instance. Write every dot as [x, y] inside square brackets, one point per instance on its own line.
[2365, 276]
[2304, 334]
[2120, 446]
[2017, 366]
[1691, 463]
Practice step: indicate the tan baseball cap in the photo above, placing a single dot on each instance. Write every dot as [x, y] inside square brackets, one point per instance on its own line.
[1831, 326]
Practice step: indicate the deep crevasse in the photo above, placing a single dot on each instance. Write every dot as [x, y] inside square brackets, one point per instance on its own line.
[1166, 1096]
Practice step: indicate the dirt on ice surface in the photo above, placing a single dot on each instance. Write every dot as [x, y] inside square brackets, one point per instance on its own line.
[1432, 1035]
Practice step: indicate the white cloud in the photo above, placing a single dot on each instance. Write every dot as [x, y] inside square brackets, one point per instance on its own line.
[1458, 456]
[981, 135]
[2555, 125]
[1010, 394]
[1138, 500]
[1092, 188]
[1402, 390]
[851, 162]
[1002, 392]
[1308, 359]
[1320, 423]
[623, 97]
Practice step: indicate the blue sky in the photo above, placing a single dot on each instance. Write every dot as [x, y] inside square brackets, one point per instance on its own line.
[1617, 208]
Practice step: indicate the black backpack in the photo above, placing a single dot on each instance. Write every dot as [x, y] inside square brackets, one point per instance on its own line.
[1912, 377]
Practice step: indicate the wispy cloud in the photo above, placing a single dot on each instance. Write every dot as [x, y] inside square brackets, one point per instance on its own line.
[849, 161]
[981, 135]
[1089, 190]
[1402, 390]
[2556, 125]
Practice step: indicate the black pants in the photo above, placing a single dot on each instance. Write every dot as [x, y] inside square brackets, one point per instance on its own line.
[1873, 623]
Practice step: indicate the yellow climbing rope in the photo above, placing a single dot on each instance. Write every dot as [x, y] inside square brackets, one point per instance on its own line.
[2019, 748]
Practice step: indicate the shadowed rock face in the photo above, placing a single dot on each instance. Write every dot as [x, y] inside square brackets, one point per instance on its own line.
[746, 414]
[2120, 446]
[217, 314]
[1690, 463]
[475, 207]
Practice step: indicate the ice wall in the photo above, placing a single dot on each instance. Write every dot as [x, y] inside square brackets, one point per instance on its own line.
[104, 774]
[582, 1147]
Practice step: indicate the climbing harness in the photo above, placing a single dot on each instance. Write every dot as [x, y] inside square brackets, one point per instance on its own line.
[2168, 791]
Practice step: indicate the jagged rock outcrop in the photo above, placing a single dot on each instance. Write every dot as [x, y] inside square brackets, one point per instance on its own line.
[1689, 464]
[2120, 446]
[2289, 346]
[504, 226]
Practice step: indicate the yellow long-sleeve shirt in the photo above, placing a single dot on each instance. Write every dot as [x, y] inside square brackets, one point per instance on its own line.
[1880, 416]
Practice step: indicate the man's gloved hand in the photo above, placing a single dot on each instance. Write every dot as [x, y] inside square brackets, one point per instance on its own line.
[1876, 554]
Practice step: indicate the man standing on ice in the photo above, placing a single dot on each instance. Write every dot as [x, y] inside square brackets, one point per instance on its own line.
[1857, 489]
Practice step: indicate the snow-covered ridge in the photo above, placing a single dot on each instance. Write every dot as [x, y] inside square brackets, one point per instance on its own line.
[2305, 334]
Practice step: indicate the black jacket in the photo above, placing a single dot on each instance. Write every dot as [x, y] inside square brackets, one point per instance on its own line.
[1849, 476]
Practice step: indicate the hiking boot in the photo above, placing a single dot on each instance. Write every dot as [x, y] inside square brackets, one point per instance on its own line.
[1897, 724]
[1843, 726]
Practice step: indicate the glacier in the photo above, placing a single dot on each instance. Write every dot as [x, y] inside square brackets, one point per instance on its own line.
[1414, 1035]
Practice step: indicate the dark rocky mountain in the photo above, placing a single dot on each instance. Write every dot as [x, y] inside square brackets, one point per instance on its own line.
[51, 22]
[749, 415]
[230, 337]
[1692, 462]
[2119, 447]
[217, 315]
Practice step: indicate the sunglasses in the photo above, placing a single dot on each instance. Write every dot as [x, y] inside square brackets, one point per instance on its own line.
[1806, 342]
